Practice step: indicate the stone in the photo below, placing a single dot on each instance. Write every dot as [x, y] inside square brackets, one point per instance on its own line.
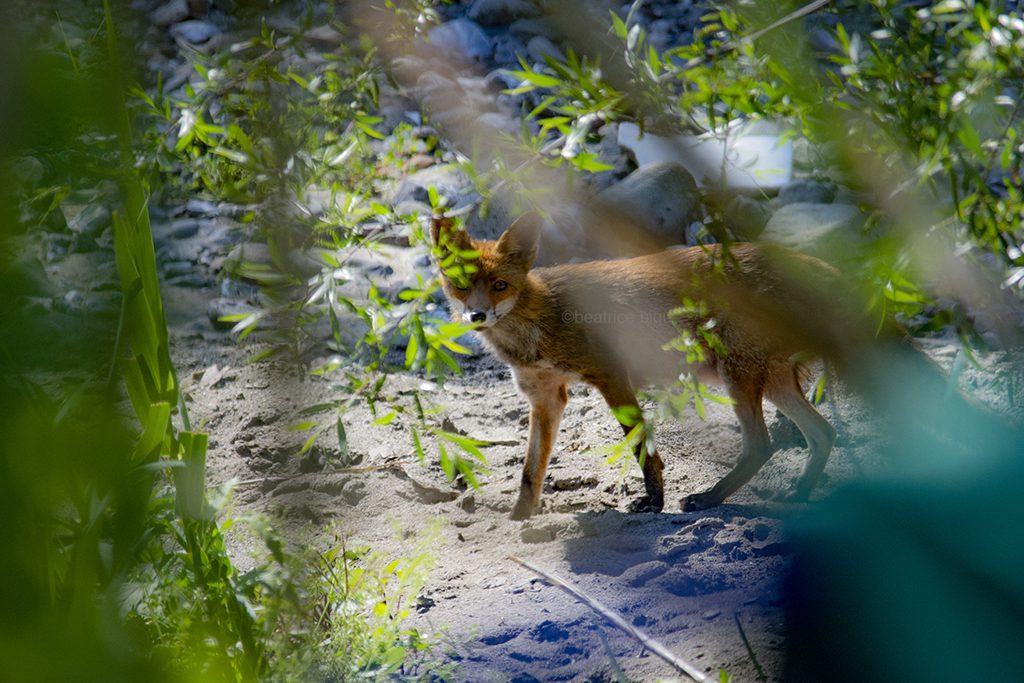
[500, 12]
[463, 38]
[451, 183]
[507, 49]
[172, 12]
[195, 31]
[807, 191]
[499, 122]
[540, 47]
[661, 198]
[524, 29]
[326, 36]
[184, 228]
[829, 231]
[747, 217]
[201, 207]
[489, 224]
[27, 170]
[91, 220]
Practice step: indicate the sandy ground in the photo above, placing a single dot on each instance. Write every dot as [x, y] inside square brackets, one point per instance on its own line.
[698, 582]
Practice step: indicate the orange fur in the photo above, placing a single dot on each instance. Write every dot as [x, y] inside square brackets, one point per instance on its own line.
[608, 323]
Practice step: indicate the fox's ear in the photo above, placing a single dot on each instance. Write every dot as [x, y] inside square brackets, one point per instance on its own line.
[522, 238]
[445, 236]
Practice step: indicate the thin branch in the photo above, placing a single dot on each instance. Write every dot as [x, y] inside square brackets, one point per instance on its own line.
[761, 676]
[644, 639]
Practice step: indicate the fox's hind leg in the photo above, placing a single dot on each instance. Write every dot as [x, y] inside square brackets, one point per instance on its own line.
[787, 395]
[619, 394]
[747, 393]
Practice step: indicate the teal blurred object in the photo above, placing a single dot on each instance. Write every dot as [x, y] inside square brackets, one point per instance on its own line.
[917, 576]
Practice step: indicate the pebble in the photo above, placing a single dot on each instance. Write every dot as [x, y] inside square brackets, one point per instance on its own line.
[461, 38]
[540, 47]
[500, 12]
[172, 12]
[195, 31]
[201, 207]
[184, 228]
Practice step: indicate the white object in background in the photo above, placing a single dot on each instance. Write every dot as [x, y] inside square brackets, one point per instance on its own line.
[751, 159]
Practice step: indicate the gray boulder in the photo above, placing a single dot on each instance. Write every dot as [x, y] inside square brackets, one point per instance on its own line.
[660, 198]
[829, 231]
[747, 217]
[807, 191]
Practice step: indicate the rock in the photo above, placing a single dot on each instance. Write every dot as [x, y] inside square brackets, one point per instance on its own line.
[201, 207]
[499, 122]
[661, 198]
[500, 12]
[524, 29]
[463, 38]
[608, 152]
[829, 231]
[184, 228]
[411, 207]
[489, 224]
[807, 191]
[507, 49]
[325, 36]
[809, 157]
[91, 220]
[747, 217]
[173, 12]
[451, 183]
[177, 268]
[195, 31]
[540, 47]
[27, 170]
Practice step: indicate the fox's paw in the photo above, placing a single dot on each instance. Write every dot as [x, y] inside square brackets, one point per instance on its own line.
[522, 510]
[699, 501]
[647, 504]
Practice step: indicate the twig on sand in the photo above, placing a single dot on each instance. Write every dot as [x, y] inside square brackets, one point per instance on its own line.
[648, 642]
[761, 676]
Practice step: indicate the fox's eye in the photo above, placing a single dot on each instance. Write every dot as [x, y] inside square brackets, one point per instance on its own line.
[500, 285]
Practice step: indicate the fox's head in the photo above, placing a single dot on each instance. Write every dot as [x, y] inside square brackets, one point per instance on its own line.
[483, 279]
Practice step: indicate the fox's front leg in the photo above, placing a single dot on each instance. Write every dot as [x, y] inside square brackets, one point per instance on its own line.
[547, 403]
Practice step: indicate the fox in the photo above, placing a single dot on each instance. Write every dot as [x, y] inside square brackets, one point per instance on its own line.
[611, 324]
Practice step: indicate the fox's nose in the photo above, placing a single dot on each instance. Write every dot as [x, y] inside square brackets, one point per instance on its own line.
[477, 317]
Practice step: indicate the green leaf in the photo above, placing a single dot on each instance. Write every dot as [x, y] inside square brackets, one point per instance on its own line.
[342, 440]
[386, 419]
[537, 79]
